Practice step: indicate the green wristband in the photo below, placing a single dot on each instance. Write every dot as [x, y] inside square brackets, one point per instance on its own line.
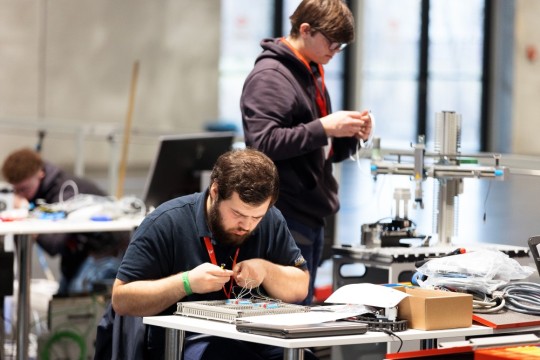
[187, 287]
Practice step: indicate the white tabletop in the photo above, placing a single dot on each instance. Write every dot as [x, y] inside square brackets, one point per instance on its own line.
[25, 228]
[227, 330]
[36, 226]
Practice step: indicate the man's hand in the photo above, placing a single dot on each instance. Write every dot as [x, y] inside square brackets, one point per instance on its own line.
[286, 283]
[250, 273]
[20, 202]
[207, 278]
[348, 124]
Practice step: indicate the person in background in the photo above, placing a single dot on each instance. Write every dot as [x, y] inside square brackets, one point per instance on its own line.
[87, 259]
[287, 114]
[211, 246]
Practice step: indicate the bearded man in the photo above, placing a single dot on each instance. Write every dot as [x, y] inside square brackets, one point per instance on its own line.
[208, 246]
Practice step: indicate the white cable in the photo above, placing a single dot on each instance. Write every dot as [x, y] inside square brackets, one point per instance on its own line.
[484, 307]
[129, 204]
[367, 144]
[63, 188]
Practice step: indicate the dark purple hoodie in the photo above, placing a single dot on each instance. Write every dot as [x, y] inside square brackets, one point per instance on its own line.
[73, 247]
[281, 119]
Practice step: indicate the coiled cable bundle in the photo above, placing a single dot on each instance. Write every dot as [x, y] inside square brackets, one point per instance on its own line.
[522, 297]
[483, 304]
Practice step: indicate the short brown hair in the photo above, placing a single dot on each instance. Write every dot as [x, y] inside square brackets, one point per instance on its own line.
[332, 17]
[21, 164]
[249, 173]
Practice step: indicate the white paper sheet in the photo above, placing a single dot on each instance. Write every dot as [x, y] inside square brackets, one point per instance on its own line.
[367, 294]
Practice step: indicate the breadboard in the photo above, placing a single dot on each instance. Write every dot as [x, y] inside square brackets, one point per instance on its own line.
[220, 310]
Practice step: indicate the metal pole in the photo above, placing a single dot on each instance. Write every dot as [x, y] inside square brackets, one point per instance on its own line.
[447, 210]
[447, 143]
[293, 354]
[174, 344]
[2, 328]
[79, 152]
[24, 252]
[113, 163]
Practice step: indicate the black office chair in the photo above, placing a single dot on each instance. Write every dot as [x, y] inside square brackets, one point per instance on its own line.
[119, 337]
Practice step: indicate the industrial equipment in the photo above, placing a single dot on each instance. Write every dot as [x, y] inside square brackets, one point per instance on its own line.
[447, 165]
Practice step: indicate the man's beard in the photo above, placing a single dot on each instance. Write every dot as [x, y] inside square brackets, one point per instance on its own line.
[224, 236]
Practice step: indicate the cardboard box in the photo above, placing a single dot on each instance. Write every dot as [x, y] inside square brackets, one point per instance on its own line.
[435, 309]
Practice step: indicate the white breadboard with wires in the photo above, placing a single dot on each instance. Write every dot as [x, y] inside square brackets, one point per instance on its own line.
[233, 309]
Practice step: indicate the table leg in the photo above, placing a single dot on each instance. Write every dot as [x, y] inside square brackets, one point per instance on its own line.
[24, 266]
[293, 354]
[428, 344]
[174, 344]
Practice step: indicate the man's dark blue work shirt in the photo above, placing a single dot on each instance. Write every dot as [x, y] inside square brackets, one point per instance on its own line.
[170, 240]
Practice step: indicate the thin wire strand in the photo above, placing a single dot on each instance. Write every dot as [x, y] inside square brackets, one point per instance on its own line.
[362, 145]
[485, 201]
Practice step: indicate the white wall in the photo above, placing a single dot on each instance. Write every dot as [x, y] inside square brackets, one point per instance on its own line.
[65, 64]
[526, 96]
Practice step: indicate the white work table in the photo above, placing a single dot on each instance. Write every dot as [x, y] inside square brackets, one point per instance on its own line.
[23, 231]
[176, 326]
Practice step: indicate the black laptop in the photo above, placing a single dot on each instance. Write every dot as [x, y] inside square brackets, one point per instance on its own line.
[331, 328]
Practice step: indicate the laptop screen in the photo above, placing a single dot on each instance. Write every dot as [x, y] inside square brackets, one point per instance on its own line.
[181, 163]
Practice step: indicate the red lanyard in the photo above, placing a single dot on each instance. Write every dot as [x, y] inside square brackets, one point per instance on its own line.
[319, 97]
[212, 254]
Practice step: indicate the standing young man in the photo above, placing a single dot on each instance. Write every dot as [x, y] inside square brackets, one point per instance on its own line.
[287, 114]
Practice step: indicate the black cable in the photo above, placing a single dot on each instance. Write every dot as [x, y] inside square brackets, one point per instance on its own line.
[393, 334]
[485, 201]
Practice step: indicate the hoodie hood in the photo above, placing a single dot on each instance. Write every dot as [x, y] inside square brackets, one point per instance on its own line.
[275, 49]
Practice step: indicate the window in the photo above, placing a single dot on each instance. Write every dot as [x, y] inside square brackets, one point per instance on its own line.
[455, 66]
[393, 67]
[390, 43]
[244, 24]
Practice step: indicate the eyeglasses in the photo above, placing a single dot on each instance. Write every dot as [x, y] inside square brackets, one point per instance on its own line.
[333, 45]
